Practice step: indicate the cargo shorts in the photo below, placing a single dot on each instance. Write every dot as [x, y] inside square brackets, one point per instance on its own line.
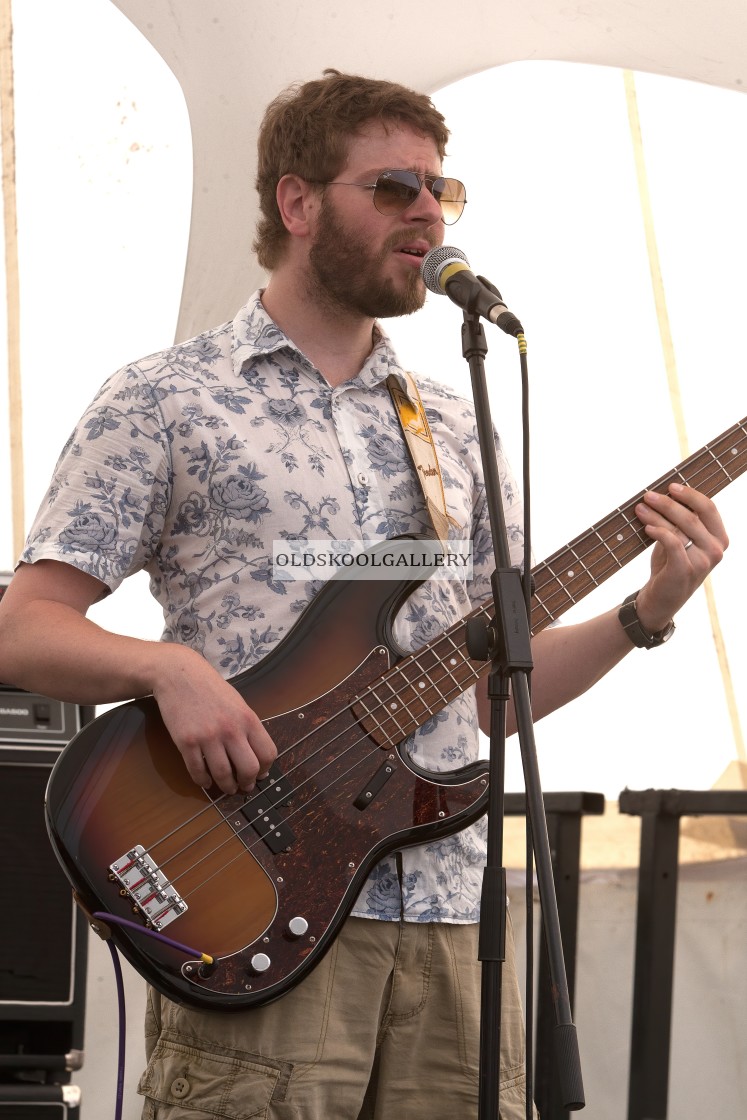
[386, 1025]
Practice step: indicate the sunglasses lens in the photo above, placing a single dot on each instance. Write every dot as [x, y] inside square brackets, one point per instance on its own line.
[451, 195]
[395, 191]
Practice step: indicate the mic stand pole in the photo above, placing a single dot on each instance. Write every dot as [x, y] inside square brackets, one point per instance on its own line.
[506, 643]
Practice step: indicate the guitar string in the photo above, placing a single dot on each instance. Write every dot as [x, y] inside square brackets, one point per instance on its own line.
[717, 476]
[400, 670]
[337, 779]
[306, 781]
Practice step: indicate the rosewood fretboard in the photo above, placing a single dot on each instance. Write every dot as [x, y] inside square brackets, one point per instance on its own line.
[419, 686]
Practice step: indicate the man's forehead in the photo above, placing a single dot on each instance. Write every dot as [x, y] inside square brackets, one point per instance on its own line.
[379, 145]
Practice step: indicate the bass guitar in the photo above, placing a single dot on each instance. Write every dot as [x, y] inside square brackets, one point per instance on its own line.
[228, 901]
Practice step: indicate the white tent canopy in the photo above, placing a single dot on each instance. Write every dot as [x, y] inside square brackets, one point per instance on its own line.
[232, 56]
[554, 219]
[551, 182]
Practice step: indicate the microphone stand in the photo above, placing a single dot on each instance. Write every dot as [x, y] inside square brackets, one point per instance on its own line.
[506, 643]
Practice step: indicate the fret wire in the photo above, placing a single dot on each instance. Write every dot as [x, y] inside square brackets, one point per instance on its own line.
[437, 689]
[369, 713]
[458, 686]
[586, 567]
[444, 646]
[698, 465]
[457, 648]
[537, 599]
[705, 470]
[608, 554]
[415, 660]
[604, 544]
[465, 663]
[380, 724]
[419, 696]
[390, 711]
[399, 670]
[623, 512]
[560, 589]
[718, 463]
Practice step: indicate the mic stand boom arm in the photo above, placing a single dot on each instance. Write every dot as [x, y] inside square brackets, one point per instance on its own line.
[507, 645]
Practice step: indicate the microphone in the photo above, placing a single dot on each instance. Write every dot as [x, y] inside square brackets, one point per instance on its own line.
[446, 272]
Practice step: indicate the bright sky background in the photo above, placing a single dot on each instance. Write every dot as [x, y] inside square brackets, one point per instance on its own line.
[104, 184]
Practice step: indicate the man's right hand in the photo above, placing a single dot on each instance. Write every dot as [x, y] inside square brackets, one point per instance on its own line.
[221, 739]
[48, 645]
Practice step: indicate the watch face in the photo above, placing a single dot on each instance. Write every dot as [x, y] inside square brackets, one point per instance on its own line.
[658, 639]
[665, 634]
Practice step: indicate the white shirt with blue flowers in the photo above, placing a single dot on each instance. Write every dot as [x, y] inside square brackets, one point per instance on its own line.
[192, 462]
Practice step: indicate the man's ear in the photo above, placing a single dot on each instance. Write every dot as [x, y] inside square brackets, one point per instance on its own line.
[297, 202]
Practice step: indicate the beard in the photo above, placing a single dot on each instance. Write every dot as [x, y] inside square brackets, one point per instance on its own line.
[346, 275]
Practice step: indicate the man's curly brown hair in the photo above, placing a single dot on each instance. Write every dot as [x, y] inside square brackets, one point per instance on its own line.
[306, 131]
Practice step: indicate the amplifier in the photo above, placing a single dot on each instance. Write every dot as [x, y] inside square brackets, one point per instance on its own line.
[28, 719]
[43, 935]
[39, 1102]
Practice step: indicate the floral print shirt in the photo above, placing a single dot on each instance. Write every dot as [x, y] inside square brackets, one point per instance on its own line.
[192, 462]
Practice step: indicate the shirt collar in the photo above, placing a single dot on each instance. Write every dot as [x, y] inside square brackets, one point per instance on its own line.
[255, 336]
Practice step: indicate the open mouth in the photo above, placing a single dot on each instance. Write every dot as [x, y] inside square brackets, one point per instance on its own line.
[416, 250]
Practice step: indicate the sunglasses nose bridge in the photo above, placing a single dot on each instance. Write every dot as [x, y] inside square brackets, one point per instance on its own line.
[425, 198]
[398, 191]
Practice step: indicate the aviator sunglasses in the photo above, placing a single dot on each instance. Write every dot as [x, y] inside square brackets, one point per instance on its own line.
[394, 191]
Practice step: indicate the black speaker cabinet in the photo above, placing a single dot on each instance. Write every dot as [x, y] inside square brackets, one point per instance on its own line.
[43, 936]
[44, 1102]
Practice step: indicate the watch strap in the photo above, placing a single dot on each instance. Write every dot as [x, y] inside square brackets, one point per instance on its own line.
[639, 636]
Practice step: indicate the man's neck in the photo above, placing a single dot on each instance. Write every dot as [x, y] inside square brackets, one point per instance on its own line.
[336, 342]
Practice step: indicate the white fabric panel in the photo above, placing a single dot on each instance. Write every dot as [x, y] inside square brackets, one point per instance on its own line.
[232, 56]
[708, 1075]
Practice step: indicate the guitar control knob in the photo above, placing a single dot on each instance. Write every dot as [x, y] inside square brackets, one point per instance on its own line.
[260, 962]
[297, 927]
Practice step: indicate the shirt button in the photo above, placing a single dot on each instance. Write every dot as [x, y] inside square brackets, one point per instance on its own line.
[180, 1087]
[363, 479]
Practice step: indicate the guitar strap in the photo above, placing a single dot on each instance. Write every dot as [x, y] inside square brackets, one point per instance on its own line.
[419, 440]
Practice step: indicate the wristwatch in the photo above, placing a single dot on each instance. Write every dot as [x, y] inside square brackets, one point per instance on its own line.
[632, 626]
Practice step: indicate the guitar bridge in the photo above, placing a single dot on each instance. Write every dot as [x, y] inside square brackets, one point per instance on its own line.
[147, 887]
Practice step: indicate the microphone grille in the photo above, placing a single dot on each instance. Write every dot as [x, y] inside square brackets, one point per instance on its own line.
[433, 264]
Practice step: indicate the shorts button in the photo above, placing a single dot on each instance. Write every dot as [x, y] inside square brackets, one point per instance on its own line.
[180, 1087]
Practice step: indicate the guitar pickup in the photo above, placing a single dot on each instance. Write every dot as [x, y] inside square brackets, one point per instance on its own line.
[267, 823]
[374, 786]
[275, 786]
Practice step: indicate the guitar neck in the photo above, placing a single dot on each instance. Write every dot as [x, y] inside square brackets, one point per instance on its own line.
[421, 685]
[579, 567]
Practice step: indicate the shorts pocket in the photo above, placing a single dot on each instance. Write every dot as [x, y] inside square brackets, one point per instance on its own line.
[183, 1080]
